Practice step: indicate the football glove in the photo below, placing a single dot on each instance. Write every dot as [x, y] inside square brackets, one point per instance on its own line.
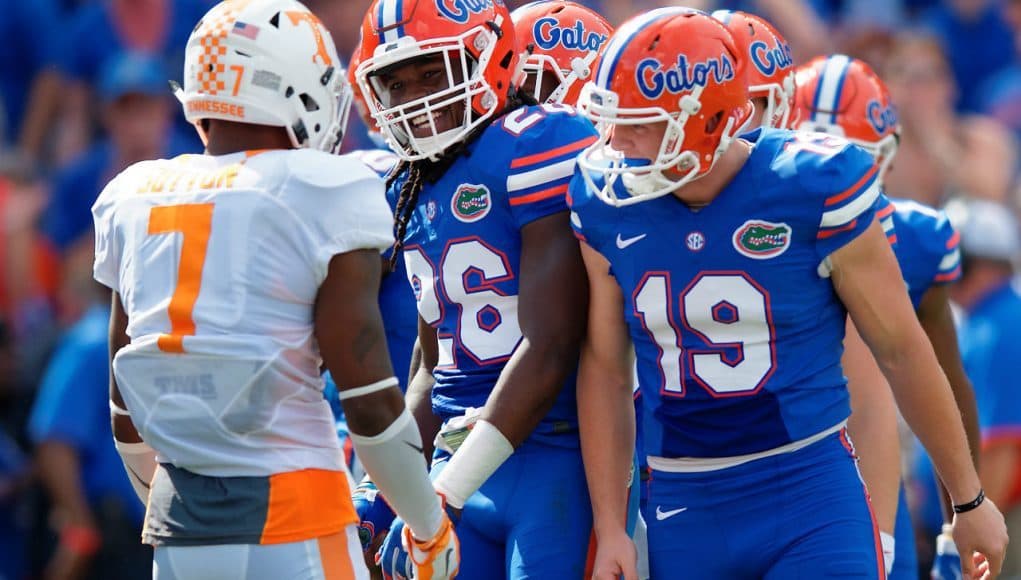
[374, 514]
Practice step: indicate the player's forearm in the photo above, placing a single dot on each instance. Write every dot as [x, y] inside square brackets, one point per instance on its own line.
[607, 422]
[924, 398]
[529, 385]
[965, 399]
[418, 399]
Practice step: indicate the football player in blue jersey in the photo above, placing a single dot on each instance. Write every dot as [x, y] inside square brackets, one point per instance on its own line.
[873, 422]
[731, 265]
[483, 227]
[926, 247]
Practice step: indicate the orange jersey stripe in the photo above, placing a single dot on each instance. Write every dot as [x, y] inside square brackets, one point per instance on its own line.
[954, 240]
[307, 504]
[853, 189]
[540, 195]
[884, 212]
[948, 276]
[823, 234]
[545, 155]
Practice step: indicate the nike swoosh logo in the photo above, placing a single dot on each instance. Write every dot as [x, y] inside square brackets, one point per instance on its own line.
[622, 243]
[662, 515]
[415, 447]
[446, 564]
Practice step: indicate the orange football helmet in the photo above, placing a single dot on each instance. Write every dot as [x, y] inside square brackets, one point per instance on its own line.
[843, 96]
[564, 39]
[770, 64]
[676, 66]
[361, 106]
[475, 39]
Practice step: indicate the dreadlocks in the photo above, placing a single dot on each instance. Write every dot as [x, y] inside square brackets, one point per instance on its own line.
[417, 173]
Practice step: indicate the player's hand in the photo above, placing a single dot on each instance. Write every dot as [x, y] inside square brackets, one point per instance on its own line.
[437, 558]
[947, 563]
[374, 515]
[615, 557]
[981, 535]
[392, 558]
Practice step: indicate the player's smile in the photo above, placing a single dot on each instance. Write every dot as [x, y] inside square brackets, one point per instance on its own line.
[418, 78]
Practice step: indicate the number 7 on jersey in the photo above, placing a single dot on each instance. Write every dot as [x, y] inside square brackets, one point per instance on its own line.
[193, 222]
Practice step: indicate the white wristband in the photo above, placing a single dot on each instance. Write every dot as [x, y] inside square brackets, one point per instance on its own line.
[481, 454]
[889, 550]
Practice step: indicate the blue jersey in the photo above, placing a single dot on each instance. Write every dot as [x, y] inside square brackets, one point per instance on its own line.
[926, 246]
[463, 247]
[737, 329]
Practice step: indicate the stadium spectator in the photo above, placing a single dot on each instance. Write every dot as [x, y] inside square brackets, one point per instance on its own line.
[137, 109]
[941, 153]
[14, 474]
[97, 515]
[991, 298]
[977, 41]
[29, 82]
[1000, 96]
[100, 31]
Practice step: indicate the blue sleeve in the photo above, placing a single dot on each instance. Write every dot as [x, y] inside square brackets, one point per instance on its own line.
[64, 408]
[847, 181]
[543, 159]
[949, 250]
[884, 213]
[585, 212]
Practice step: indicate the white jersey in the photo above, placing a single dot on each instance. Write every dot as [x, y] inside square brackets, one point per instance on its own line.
[218, 261]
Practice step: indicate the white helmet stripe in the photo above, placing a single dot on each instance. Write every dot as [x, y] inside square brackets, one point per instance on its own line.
[388, 17]
[831, 84]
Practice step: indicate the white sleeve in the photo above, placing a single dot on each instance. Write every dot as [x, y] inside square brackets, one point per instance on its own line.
[342, 204]
[360, 220]
[106, 267]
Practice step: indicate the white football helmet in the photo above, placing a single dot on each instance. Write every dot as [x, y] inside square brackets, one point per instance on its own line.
[267, 62]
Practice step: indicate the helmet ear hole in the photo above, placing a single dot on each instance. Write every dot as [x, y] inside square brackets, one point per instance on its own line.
[713, 123]
[310, 104]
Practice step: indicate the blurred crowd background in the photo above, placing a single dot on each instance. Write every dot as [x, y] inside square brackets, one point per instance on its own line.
[84, 93]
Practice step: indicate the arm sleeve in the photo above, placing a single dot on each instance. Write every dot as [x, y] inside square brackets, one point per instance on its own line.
[543, 163]
[949, 269]
[342, 205]
[849, 182]
[106, 266]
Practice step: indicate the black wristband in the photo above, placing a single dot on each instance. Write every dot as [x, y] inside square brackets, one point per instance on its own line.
[967, 507]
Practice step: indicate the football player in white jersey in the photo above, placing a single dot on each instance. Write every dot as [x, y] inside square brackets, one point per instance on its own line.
[235, 275]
